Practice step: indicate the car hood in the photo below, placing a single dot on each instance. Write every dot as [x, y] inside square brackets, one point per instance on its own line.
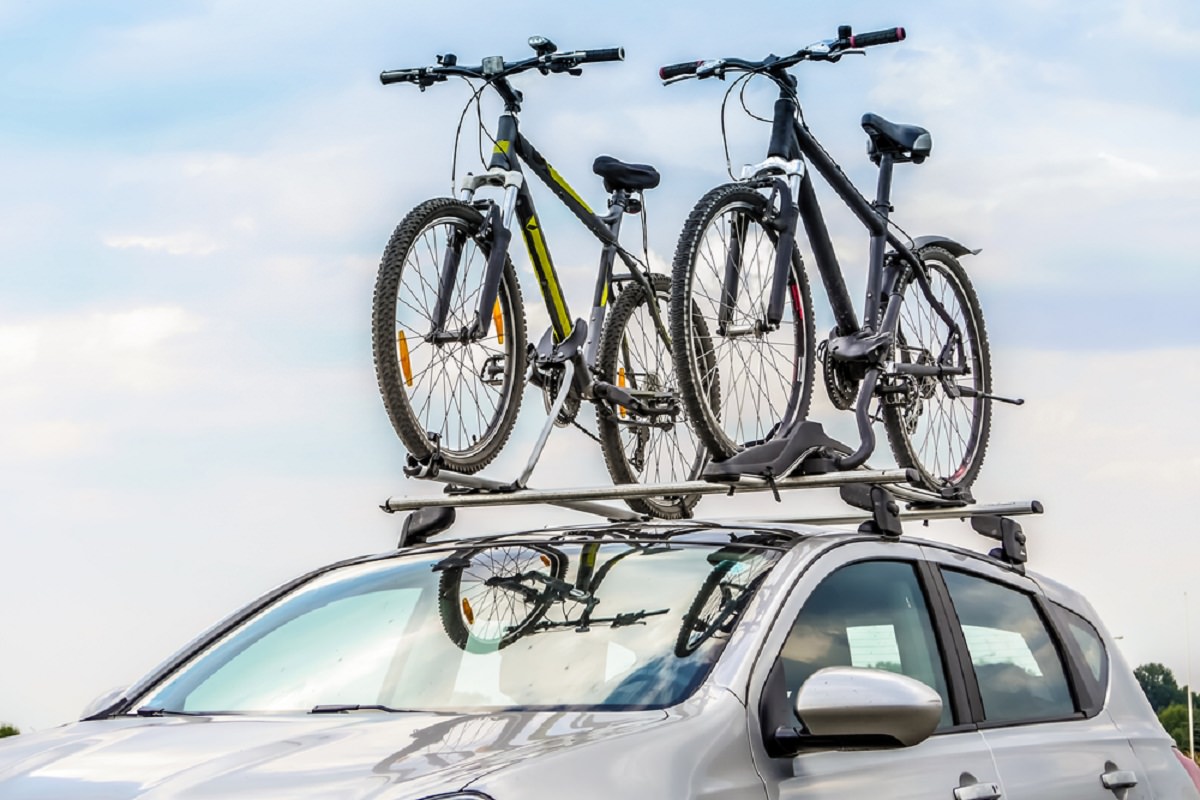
[360, 755]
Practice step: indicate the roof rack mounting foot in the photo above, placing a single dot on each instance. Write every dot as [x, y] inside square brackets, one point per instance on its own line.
[885, 511]
[1010, 535]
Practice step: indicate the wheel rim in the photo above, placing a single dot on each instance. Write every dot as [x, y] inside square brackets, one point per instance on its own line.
[655, 454]
[942, 431]
[757, 373]
[445, 385]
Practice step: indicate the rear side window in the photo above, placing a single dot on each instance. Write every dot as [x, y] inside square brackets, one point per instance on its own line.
[1019, 670]
[1091, 649]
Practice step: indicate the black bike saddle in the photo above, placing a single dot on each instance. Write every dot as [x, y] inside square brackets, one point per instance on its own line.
[903, 141]
[619, 175]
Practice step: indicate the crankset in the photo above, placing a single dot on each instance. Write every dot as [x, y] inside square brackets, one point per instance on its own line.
[842, 378]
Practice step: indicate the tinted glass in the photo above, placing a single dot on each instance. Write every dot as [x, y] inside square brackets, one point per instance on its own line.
[1090, 645]
[1020, 671]
[547, 626]
[870, 614]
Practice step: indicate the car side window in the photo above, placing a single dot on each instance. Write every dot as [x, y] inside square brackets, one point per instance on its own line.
[867, 614]
[1020, 671]
[1091, 647]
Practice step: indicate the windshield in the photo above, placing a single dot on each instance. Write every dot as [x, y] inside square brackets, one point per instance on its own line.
[600, 625]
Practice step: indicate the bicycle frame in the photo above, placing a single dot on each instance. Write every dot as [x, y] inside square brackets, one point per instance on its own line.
[504, 170]
[792, 146]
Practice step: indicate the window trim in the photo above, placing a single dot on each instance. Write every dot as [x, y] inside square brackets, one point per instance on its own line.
[1092, 692]
[1070, 665]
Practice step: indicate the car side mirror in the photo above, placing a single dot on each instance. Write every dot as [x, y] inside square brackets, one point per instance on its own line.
[863, 708]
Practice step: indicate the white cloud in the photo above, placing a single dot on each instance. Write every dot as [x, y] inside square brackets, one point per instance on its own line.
[181, 244]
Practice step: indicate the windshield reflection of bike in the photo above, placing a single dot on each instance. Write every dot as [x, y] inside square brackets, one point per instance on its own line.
[596, 625]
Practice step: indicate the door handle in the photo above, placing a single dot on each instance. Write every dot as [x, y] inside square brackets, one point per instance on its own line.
[1116, 779]
[977, 791]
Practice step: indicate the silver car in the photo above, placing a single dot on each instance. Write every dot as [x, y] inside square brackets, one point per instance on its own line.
[632, 661]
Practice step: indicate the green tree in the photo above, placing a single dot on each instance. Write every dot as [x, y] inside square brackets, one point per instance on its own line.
[8, 730]
[1174, 719]
[1158, 682]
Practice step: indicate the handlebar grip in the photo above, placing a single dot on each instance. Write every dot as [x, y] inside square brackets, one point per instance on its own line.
[873, 38]
[675, 70]
[396, 76]
[604, 54]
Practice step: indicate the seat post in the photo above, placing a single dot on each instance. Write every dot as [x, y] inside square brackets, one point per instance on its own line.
[883, 192]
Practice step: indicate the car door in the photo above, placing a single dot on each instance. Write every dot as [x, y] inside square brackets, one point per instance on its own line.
[866, 604]
[1034, 700]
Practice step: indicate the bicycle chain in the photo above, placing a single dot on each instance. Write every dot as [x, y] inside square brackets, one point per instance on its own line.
[590, 435]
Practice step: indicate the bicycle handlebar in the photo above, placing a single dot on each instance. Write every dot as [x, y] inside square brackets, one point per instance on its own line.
[604, 54]
[494, 67]
[887, 36]
[827, 50]
[676, 70]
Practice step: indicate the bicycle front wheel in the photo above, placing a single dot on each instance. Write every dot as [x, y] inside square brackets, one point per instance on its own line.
[931, 424]
[635, 357]
[463, 393]
[741, 382]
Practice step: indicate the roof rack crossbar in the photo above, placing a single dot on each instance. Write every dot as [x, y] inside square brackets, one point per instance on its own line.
[495, 493]
[1013, 509]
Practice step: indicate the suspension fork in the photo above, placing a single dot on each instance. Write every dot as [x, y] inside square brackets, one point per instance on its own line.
[496, 232]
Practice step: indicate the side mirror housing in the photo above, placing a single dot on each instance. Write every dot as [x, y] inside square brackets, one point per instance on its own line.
[862, 708]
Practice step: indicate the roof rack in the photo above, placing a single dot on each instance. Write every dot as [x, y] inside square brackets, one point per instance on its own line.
[472, 491]
[874, 493]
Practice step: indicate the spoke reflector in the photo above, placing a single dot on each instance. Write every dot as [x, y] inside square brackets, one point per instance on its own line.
[498, 319]
[621, 383]
[405, 362]
[467, 612]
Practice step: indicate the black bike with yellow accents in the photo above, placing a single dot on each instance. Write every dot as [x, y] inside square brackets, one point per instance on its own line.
[450, 345]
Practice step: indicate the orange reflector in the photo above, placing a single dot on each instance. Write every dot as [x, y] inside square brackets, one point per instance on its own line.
[498, 318]
[467, 612]
[621, 383]
[546, 560]
[405, 363]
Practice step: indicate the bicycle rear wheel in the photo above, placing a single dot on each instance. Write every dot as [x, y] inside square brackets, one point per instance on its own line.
[465, 392]
[739, 382]
[931, 425]
[633, 356]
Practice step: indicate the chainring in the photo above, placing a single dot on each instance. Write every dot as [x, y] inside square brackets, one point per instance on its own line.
[551, 383]
[841, 386]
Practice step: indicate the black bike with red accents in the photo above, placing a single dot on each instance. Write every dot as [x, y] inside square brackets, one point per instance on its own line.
[917, 359]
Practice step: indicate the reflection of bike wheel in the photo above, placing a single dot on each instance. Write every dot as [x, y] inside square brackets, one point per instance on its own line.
[495, 599]
[717, 604]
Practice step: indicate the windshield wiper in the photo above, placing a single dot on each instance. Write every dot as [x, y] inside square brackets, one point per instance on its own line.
[147, 711]
[339, 708]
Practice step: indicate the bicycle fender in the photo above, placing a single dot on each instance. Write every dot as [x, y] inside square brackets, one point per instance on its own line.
[955, 249]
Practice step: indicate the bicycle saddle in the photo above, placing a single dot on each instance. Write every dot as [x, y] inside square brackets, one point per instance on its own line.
[904, 142]
[619, 175]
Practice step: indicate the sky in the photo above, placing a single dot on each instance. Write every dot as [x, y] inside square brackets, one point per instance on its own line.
[194, 197]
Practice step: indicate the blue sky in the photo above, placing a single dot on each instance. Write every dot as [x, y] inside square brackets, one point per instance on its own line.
[196, 195]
